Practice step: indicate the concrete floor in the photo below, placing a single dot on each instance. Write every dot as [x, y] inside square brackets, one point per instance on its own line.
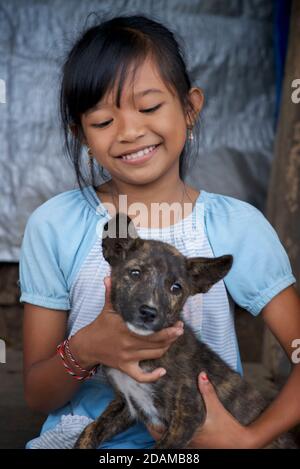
[18, 423]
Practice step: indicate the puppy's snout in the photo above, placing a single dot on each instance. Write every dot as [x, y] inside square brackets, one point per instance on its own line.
[147, 313]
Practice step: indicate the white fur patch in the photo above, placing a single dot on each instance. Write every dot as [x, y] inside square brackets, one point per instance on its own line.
[134, 329]
[141, 393]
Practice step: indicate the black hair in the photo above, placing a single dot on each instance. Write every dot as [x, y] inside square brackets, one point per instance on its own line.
[105, 52]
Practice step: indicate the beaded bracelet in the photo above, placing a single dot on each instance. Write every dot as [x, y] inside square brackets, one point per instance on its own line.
[63, 350]
[72, 359]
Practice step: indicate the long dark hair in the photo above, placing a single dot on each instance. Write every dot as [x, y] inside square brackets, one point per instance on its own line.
[106, 51]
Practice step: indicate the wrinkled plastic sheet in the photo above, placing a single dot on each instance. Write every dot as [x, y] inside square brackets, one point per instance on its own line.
[230, 56]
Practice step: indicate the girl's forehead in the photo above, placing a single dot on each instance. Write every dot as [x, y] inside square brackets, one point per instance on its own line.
[142, 79]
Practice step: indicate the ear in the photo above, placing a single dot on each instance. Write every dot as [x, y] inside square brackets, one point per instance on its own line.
[119, 238]
[204, 272]
[196, 100]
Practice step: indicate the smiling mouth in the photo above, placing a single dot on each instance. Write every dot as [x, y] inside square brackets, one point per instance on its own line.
[140, 154]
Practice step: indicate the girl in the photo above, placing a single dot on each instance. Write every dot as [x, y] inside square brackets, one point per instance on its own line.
[127, 97]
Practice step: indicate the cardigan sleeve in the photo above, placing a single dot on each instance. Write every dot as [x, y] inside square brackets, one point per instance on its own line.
[41, 279]
[261, 268]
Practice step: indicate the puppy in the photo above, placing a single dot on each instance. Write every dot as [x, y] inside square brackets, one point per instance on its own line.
[151, 281]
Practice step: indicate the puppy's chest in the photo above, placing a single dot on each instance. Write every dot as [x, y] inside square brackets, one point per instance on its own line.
[136, 394]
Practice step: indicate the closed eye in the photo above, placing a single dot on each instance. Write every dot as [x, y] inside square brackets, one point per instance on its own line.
[147, 111]
[152, 109]
[103, 124]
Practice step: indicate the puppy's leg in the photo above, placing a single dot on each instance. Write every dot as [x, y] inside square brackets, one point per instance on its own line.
[187, 416]
[178, 435]
[115, 419]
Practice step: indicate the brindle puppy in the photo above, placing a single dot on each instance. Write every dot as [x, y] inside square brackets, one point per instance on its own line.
[151, 281]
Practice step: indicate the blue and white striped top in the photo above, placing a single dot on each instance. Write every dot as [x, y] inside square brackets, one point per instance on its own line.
[62, 267]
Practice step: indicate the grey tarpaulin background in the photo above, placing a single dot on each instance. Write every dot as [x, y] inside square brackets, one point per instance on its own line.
[230, 55]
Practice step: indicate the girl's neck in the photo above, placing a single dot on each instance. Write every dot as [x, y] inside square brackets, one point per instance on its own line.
[174, 191]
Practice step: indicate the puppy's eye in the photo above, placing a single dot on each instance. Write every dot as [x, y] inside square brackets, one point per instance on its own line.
[176, 288]
[135, 273]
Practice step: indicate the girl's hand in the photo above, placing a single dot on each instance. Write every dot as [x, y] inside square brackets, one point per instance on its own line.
[220, 429]
[107, 340]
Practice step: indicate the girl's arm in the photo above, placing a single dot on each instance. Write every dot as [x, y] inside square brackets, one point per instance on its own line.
[47, 386]
[282, 316]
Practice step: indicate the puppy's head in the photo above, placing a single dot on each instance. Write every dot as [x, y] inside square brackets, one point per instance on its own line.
[151, 280]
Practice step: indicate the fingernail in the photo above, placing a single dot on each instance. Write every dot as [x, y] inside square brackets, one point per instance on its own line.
[179, 332]
[204, 377]
[162, 372]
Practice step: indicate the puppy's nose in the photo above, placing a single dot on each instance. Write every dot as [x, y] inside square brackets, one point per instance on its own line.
[147, 313]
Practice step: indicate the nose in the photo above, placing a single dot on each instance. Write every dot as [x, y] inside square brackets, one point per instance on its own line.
[131, 130]
[147, 313]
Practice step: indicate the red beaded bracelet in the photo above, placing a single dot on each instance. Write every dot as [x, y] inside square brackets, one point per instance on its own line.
[63, 351]
[72, 359]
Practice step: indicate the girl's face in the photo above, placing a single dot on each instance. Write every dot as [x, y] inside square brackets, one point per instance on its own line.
[149, 115]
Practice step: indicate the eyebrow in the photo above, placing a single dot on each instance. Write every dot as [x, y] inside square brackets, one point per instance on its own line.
[140, 93]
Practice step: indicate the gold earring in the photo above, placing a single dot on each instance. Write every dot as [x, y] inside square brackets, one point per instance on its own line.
[191, 136]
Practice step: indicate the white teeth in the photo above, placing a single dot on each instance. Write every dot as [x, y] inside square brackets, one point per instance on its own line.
[139, 154]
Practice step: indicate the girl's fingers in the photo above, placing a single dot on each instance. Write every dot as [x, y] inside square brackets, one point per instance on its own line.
[179, 324]
[107, 302]
[150, 354]
[168, 334]
[139, 375]
[107, 283]
[160, 339]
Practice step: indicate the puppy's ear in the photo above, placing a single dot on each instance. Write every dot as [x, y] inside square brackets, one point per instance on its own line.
[119, 237]
[204, 272]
